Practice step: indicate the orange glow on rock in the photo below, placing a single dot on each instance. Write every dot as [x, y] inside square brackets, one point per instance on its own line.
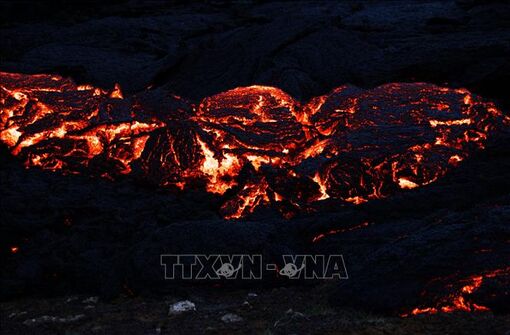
[337, 231]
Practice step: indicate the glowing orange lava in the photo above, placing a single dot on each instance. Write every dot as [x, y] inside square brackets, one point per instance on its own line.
[460, 301]
[254, 146]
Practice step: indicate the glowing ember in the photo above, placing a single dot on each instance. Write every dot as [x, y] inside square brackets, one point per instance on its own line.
[253, 145]
[337, 231]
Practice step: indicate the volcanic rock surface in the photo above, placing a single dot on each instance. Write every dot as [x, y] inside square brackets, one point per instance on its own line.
[443, 246]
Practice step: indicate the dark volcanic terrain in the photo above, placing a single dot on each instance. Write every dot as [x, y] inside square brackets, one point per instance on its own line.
[62, 235]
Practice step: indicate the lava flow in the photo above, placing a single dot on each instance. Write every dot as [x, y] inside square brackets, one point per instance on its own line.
[253, 146]
[460, 300]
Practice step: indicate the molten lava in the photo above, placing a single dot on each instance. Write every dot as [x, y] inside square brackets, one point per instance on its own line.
[460, 301]
[252, 145]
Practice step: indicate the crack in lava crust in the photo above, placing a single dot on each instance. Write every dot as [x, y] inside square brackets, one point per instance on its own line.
[254, 145]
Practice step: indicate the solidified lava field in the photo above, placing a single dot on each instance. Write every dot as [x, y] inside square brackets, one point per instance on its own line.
[378, 130]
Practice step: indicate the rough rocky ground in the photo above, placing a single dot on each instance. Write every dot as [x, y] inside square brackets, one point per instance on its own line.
[291, 310]
[306, 48]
